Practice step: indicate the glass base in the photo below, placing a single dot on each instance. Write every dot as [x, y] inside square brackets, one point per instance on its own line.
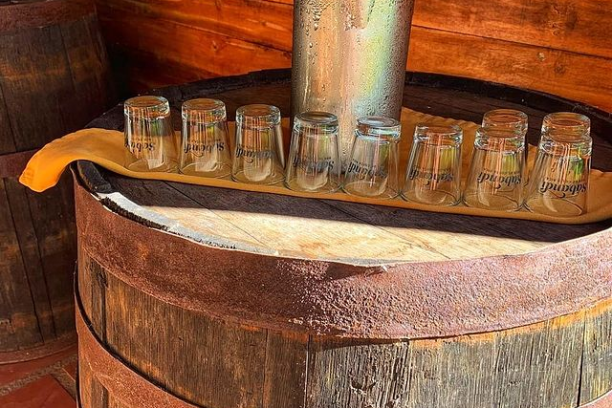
[555, 207]
[491, 202]
[365, 189]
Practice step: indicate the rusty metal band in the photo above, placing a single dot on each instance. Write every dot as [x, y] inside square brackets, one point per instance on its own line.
[55, 346]
[38, 14]
[124, 384]
[12, 164]
[397, 301]
[605, 401]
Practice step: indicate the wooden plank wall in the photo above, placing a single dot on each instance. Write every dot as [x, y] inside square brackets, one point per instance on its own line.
[562, 47]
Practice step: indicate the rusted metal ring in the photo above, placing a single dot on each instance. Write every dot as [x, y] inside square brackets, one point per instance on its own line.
[124, 384]
[12, 164]
[396, 301]
[53, 347]
[17, 16]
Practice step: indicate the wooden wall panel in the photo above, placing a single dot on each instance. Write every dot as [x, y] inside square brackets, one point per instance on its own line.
[557, 46]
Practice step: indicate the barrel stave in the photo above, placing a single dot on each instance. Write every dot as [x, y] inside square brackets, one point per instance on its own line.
[548, 364]
[54, 78]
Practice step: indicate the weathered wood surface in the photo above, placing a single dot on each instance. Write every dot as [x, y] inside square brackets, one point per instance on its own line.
[54, 78]
[560, 47]
[231, 299]
[215, 364]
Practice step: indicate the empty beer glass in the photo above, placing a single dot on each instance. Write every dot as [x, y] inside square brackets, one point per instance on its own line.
[258, 156]
[373, 168]
[149, 136]
[559, 183]
[313, 164]
[508, 119]
[433, 175]
[205, 149]
[496, 177]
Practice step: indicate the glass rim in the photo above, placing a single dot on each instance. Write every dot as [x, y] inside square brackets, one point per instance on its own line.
[146, 102]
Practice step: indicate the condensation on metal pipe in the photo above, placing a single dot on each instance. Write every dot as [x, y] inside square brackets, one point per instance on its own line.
[349, 59]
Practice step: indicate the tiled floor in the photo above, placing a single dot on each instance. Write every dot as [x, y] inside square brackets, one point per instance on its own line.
[48, 382]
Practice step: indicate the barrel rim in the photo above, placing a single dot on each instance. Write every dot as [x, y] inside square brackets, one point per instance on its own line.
[527, 288]
[44, 13]
[400, 301]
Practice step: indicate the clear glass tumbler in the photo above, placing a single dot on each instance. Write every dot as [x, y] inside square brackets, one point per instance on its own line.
[508, 119]
[149, 137]
[433, 175]
[205, 149]
[496, 178]
[313, 164]
[373, 168]
[258, 156]
[559, 183]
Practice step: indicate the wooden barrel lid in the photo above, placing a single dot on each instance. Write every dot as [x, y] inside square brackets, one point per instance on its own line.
[348, 269]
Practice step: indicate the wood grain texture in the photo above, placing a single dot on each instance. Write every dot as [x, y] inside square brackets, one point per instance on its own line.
[54, 78]
[597, 346]
[542, 46]
[218, 364]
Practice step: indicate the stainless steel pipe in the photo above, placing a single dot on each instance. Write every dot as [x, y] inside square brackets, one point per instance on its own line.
[349, 59]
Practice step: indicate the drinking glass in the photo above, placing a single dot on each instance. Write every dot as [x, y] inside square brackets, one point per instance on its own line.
[258, 156]
[314, 164]
[496, 177]
[433, 175]
[205, 149]
[508, 119]
[559, 183]
[373, 168]
[149, 136]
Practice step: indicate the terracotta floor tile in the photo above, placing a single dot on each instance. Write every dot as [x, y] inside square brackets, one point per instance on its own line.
[16, 371]
[43, 393]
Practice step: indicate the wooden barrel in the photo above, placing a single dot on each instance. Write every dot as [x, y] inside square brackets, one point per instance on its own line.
[194, 296]
[54, 79]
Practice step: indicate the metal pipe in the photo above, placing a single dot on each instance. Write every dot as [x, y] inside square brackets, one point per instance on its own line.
[349, 59]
